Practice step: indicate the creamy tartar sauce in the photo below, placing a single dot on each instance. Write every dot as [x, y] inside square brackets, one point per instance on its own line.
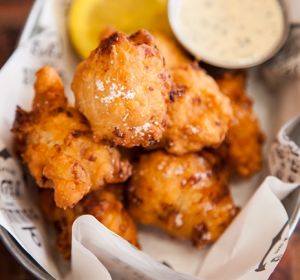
[230, 32]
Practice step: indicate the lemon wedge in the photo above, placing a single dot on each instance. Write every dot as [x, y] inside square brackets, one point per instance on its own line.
[88, 18]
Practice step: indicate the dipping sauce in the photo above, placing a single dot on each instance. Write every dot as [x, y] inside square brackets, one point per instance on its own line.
[229, 33]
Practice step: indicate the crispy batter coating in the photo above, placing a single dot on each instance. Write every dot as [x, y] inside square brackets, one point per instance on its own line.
[55, 142]
[245, 139]
[172, 52]
[103, 205]
[106, 32]
[121, 88]
[187, 196]
[199, 115]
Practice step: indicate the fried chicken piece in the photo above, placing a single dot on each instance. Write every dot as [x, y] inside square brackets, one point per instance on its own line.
[172, 52]
[199, 115]
[187, 196]
[245, 139]
[122, 89]
[55, 142]
[103, 205]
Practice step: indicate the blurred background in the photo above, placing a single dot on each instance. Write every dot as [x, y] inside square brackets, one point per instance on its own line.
[13, 15]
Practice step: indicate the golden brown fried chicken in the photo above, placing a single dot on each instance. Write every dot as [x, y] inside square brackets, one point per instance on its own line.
[103, 205]
[55, 142]
[173, 54]
[245, 139]
[187, 196]
[199, 115]
[121, 88]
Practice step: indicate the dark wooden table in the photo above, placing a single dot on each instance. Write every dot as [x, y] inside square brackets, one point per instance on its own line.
[13, 14]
